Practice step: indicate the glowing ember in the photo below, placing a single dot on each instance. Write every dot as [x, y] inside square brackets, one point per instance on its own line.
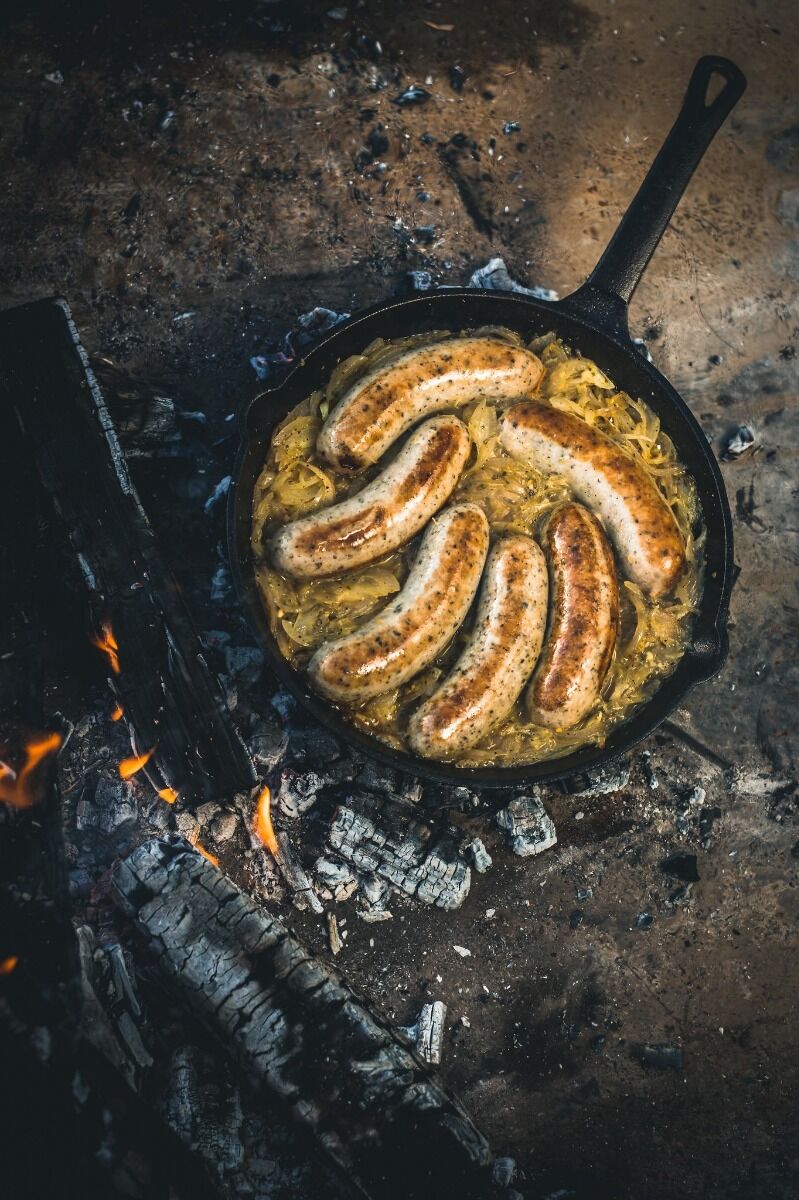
[18, 787]
[129, 766]
[7, 965]
[205, 853]
[117, 713]
[168, 794]
[109, 646]
[263, 821]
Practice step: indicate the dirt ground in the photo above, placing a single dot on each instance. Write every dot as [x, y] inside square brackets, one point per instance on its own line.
[193, 177]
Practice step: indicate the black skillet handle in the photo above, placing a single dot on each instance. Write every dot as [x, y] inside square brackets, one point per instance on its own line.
[604, 297]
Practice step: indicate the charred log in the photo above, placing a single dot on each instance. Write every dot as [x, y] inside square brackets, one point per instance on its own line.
[171, 700]
[297, 1031]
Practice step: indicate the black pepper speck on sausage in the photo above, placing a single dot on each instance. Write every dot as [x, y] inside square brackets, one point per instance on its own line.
[388, 512]
[407, 635]
[503, 649]
[392, 397]
[584, 622]
[609, 481]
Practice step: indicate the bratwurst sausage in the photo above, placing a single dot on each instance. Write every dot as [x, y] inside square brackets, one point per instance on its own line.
[503, 649]
[393, 396]
[387, 513]
[407, 635]
[609, 481]
[584, 622]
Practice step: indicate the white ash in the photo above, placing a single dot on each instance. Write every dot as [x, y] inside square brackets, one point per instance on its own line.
[741, 440]
[494, 276]
[297, 793]
[427, 1034]
[481, 859]
[529, 828]
[462, 951]
[187, 825]
[113, 809]
[372, 899]
[219, 493]
[402, 851]
[600, 781]
[335, 880]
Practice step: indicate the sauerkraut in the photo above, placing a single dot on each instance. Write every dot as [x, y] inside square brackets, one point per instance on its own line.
[302, 615]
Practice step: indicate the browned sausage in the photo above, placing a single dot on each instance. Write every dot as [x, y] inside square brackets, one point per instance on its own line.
[584, 604]
[393, 396]
[387, 513]
[609, 481]
[407, 635]
[503, 649]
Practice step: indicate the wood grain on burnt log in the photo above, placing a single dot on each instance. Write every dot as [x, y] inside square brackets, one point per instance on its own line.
[297, 1031]
[171, 700]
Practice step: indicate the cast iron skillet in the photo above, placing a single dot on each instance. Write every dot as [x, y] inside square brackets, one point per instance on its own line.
[593, 320]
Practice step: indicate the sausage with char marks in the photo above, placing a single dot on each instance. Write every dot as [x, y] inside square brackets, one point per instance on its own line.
[388, 512]
[503, 649]
[609, 481]
[407, 635]
[392, 397]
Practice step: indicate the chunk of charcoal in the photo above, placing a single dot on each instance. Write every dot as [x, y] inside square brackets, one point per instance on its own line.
[599, 781]
[268, 745]
[336, 880]
[495, 276]
[681, 866]
[420, 281]
[504, 1171]
[296, 793]
[511, 127]
[644, 920]
[428, 1032]
[426, 234]
[576, 918]
[481, 859]
[529, 828]
[113, 809]
[457, 77]
[412, 95]
[738, 443]
[659, 1057]
[584, 893]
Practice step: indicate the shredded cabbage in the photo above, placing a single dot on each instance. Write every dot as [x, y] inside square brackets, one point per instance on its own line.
[515, 496]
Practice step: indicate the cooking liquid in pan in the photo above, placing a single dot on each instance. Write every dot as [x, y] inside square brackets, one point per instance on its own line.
[653, 633]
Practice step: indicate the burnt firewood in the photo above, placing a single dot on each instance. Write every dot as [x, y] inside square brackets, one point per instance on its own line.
[173, 704]
[298, 1032]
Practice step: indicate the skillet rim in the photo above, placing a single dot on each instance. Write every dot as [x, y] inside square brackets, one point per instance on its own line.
[702, 660]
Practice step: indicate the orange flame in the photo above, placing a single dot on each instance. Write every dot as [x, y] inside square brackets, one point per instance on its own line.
[263, 821]
[7, 965]
[16, 787]
[168, 794]
[129, 766]
[108, 644]
[117, 713]
[205, 853]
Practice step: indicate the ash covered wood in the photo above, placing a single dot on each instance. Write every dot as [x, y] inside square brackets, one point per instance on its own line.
[389, 841]
[297, 1031]
[172, 702]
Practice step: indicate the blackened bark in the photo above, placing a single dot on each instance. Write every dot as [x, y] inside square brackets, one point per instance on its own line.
[171, 700]
[297, 1031]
